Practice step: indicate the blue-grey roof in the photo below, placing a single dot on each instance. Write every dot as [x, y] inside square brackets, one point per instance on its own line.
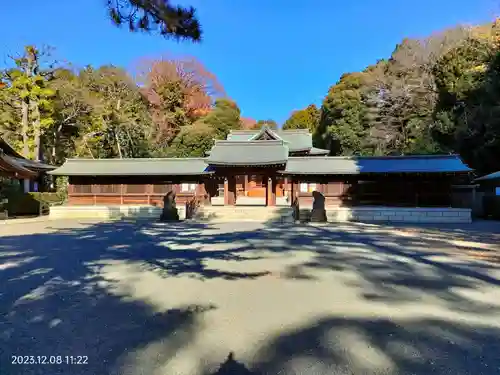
[259, 153]
[389, 164]
[489, 177]
[296, 139]
[248, 153]
[133, 167]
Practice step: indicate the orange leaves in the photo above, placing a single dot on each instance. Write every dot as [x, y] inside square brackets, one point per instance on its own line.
[198, 86]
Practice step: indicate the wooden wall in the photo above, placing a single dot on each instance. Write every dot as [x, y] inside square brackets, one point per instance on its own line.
[398, 191]
[85, 191]
[401, 191]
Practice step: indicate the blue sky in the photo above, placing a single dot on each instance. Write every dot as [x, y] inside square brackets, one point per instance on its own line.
[272, 56]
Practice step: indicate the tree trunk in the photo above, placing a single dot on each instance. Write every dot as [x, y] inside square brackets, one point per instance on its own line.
[35, 110]
[25, 128]
[87, 145]
[55, 136]
[118, 145]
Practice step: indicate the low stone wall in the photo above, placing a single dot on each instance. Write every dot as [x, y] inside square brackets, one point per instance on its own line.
[395, 214]
[270, 214]
[109, 212]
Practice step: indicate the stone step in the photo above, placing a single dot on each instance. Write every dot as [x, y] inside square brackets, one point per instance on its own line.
[236, 213]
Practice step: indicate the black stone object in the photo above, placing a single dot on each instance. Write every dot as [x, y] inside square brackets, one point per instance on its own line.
[169, 212]
[318, 212]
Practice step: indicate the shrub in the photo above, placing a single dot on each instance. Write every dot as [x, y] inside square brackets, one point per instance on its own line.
[52, 199]
[32, 204]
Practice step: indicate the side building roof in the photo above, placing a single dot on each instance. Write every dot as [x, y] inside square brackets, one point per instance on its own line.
[388, 164]
[493, 177]
[133, 167]
[15, 165]
[10, 167]
[259, 153]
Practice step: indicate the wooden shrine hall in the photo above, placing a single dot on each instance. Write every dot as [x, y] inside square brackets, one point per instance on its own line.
[267, 167]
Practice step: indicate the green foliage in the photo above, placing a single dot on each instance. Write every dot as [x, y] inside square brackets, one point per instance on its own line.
[50, 198]
[439, 95]
[342, 128]
[28, 84]
[62, 183]
[468, 79]
[168, 20]
[224, 117]
[31, 204]
[271, 124]
[193, 141]
[22, 204]
[307, 118]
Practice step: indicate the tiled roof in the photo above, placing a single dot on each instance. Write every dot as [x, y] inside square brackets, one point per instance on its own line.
[132, 167]
[258, 153]
[318, 151]
[389, 164]
[296, 139]
[248, 153]
[489, 177]
[11, 167]
[15, 164]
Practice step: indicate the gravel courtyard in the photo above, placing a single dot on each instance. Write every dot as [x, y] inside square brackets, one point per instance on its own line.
[250, 298]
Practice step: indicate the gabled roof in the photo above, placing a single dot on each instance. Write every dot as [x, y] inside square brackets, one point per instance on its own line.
[296, 139]
[248, 153]
[132, 167]
[388, 164]
[265, 131]
[10, 167]
[489, 177]
[256, 153]
[15, 165]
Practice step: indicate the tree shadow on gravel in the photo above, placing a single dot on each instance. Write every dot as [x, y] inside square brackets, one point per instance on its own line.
[381, 346]
[55, 301]
[375, 347]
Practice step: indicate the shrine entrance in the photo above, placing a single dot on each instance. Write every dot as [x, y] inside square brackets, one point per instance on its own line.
[258, 188]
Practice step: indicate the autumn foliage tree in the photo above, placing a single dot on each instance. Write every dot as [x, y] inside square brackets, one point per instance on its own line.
[178, 92]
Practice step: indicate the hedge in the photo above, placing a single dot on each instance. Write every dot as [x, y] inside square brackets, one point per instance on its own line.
[32, 204]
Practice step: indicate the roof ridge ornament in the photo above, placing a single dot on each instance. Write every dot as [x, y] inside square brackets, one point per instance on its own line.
[266, 130]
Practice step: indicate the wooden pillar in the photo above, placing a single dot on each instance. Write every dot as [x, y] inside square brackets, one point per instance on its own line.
[121, 193]
[231, 189]
[274, 185]
[245, 186]
[149, 191]
[292, 193]
[94, 190]
[271, 191]
[26, 185]
[226, 192]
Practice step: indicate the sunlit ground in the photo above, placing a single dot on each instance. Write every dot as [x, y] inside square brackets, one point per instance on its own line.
[151, 298]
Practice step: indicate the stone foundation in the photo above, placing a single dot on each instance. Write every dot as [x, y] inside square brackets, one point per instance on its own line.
[397, 214]
[271, 214]
[109, 212]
